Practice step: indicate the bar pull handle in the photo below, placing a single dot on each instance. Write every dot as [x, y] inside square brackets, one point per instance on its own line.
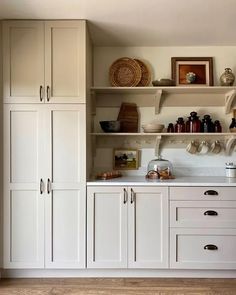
[48, 93]
[210, 247]
[132, 196]
[41, 186]
[211, 213]
[49, 186]
[211, 193]
[125, 196]
[41, 93]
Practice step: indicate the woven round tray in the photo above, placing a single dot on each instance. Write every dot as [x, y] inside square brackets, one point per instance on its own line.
[146, 75]
[125, 72]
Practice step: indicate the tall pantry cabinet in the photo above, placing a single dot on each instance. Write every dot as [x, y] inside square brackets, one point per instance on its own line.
[44, 78]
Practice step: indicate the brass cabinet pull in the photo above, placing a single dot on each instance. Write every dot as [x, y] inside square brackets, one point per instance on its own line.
[211, 213]
[125, 196]
[41, 186]
[211, 193]
[48, 93]
[48, 186]
[132, 196]
[210, 247]
[41, 93]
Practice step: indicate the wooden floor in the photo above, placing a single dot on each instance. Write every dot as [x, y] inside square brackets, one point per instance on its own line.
[117, 286]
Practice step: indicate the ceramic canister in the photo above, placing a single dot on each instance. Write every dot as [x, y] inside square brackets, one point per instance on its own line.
[230, 170]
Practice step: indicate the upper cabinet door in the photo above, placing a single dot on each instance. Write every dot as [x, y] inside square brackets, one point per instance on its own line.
[65, 43]
[148, 227]
[23, 61]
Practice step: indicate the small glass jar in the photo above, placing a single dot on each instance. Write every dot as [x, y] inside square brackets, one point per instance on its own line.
[193, 124]
[232, 126]
[170, 128]
[217, 126]
[230, 170]
[207, 124]
[180, 125]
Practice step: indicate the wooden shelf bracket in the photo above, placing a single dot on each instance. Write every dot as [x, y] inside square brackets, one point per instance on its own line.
[157, 146]
[230, 144]
[158, 96]
[229, 100]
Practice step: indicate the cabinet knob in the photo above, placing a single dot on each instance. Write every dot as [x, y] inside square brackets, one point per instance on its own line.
[211, 213]
[211, 193]
[210, 247]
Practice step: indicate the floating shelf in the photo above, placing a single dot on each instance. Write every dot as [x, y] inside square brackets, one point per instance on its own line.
[164, 134]
[228, 93]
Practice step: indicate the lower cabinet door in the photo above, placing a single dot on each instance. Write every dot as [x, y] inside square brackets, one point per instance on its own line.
[106, 227]
[203, 248]
[148, 227]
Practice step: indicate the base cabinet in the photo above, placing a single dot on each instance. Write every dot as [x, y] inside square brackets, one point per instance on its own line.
[127, 227]
[44, 186]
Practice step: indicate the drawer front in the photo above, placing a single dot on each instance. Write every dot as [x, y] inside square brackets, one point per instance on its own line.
[203, 193]
[203, 248]
[221, 214]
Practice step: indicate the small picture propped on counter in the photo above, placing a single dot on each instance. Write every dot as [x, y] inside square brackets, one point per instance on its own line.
[125, 159]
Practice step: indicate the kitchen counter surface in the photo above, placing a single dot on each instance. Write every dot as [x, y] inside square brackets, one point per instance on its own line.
[179, 181]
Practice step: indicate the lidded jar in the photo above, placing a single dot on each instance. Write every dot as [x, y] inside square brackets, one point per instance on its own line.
[227, 78]
[232, 126]
[159, 168]
[207, 124]
[180, 125]
[193, 124]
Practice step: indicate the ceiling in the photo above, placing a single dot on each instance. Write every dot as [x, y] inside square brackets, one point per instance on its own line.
[138, 22]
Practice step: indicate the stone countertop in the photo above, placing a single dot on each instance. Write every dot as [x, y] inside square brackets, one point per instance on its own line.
[179, 181]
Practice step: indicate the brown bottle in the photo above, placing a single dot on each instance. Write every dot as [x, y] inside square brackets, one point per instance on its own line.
[193, 124]
[170, 128]
[180, 125]
[217, 126]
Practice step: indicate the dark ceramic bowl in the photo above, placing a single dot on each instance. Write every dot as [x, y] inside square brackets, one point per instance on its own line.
[110, 126]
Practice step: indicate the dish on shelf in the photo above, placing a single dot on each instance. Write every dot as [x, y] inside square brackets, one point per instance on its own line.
[110, 126]
[146, 74]
[163, 82]
[153, 127]
[125, 72]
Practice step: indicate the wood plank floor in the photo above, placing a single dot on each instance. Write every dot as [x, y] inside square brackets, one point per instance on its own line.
[117, 286]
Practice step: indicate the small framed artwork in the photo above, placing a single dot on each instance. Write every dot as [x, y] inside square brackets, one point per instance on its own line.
[192, 71]
[125, 159]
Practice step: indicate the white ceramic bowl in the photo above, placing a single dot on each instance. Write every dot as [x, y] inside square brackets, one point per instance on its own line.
[153, 127]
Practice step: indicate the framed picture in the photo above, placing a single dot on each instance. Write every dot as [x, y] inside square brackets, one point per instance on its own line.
[192, 71]
[125, 159]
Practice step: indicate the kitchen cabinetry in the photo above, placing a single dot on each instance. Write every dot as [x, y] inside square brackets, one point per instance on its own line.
[44, 61]
[202, 228]
[44, 186]
[127, 227]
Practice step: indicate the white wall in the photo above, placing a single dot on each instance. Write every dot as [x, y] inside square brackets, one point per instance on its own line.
[159, 59]
[1, 141]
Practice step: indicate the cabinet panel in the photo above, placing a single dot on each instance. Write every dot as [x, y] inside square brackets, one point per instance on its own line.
[65, 60]
[107, 228]
[148, 227]
[188, 248]
[66, 145]
[66, 187]
[24, 145]
[203, 214]
[23, 63]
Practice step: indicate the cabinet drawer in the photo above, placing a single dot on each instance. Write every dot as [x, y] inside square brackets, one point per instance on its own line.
[203, 214]
[188, 248]
[203, 193]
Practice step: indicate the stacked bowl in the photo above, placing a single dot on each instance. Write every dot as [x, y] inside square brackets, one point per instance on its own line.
[153, 127]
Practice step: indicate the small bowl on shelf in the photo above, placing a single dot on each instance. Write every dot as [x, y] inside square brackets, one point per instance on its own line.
[163, 82]
[110, 126]
[153, 127]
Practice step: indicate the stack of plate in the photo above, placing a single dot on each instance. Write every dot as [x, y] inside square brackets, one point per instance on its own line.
[128, 72]
[153, 127]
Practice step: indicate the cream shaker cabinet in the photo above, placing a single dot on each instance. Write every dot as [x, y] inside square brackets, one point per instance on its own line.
[44, 186]
[44, 61]
[127, 227]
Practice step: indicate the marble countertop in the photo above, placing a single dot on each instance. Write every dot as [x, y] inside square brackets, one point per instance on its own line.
[179, 181]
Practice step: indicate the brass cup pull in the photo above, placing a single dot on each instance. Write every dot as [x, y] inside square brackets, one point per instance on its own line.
[210, 247]
[211, 193]
[211, 213]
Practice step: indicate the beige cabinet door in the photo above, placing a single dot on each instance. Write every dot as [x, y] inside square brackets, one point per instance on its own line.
[24, 186]
[148, 227]
[65, 55]
[65, 197]
[23, 61]
[106, 227]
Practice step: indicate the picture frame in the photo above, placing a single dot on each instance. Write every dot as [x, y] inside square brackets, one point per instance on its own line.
[125, 159]
[192, 71]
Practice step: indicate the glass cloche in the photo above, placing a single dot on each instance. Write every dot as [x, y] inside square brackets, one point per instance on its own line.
[160, 169]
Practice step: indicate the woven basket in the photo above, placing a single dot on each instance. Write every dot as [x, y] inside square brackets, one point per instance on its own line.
[146, 75]
[125, 72]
